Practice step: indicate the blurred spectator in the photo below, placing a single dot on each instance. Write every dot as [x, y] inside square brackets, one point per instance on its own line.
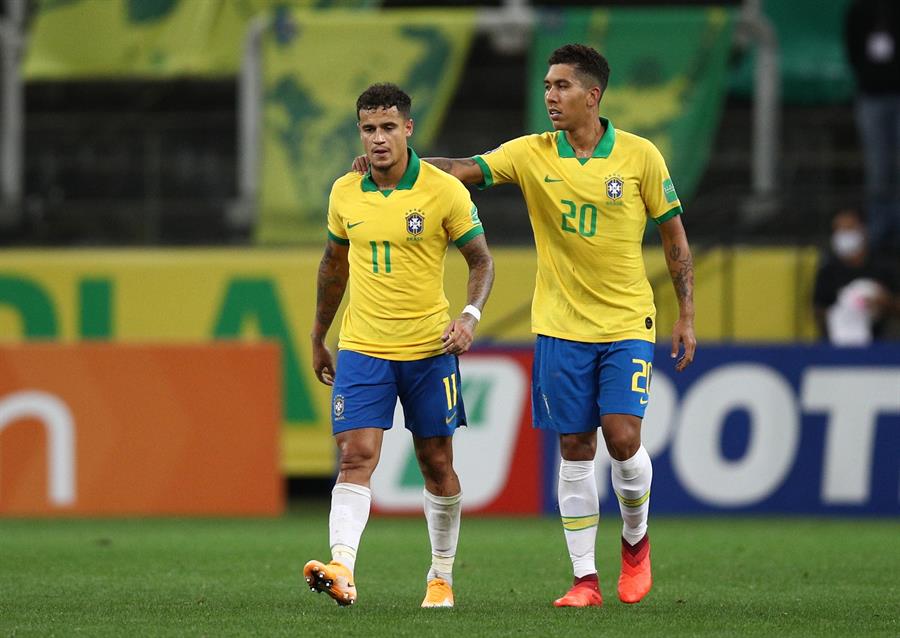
[872, 35]
[855, 291]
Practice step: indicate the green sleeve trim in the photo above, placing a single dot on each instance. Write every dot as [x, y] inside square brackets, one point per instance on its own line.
[469, 236]
[487, 176]
[338, 240]
[667, 216]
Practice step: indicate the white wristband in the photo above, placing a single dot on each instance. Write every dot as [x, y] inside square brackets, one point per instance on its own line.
[472, 310]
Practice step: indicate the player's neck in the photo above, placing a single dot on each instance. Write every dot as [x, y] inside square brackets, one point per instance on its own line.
[387, 179]
[584, 138]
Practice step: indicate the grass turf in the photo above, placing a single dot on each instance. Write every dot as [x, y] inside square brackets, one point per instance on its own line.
[713, 577]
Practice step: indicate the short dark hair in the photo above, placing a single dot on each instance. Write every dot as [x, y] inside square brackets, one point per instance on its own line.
[383, 96]
[586, 61]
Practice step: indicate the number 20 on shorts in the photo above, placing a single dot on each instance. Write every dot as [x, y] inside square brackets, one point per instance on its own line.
[645, 371]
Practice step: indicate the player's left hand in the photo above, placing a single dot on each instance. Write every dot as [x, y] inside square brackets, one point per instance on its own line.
[459, 334]
[683, 333]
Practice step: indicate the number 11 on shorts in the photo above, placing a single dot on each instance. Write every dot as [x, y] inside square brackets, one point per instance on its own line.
[450, 389]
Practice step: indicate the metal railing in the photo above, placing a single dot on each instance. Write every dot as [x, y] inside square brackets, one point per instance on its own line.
[12, 40]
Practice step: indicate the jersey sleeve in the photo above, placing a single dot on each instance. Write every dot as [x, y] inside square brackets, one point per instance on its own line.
[499, 166]
[462, 222]
[657, 189]
[336, 230]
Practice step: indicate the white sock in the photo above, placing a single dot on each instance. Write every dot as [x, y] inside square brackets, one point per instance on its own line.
[631, 480]
[579, 508]
[349, 515]
[442, 517]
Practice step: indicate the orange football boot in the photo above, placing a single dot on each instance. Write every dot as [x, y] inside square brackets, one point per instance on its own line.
[585, 592]
[438, 594]
[334, 579]
[635, 580]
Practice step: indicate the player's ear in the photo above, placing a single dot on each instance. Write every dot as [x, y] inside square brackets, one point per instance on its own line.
[409, 127]
[594, 96]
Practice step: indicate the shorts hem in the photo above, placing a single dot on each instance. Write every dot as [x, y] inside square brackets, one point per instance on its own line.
[337, 429]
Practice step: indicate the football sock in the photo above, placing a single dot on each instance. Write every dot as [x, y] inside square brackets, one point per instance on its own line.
[579, 509]
[442, 515]
[631, 480]
[347, 520]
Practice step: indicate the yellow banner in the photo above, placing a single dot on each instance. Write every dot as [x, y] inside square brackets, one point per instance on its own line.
[313, 77]
[195, 296]
[70, 39]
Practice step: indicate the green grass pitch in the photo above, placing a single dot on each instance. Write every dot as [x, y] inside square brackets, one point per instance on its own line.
[188, 577]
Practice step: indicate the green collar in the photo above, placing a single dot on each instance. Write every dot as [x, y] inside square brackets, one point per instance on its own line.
[603, 149]
[410, 175]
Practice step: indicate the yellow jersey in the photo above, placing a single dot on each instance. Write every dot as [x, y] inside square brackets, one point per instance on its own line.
[588, 216]
[398, 240]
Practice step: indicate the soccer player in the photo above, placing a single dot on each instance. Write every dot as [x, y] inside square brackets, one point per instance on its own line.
[388, 232]
[589, 189]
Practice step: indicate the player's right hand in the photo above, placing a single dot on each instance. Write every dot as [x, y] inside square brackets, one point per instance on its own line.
[360, 164]
[323, 363]
[459, 334]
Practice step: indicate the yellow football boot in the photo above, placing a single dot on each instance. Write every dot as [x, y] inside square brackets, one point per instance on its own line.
[334, 579]
[438, 594]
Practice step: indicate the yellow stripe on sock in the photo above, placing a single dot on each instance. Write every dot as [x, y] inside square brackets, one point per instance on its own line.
[575, 523]
[633, 502]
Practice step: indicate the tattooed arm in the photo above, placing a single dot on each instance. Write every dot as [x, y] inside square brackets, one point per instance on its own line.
[334, 271]
[459, 334]
[681, 268]
[465, 169]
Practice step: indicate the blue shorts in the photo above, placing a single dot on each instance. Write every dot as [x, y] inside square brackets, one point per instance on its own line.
[574, 383]
[366, 390]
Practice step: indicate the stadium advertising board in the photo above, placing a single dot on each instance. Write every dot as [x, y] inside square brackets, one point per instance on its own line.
[777, 429]
[126, 429]
[780, 429]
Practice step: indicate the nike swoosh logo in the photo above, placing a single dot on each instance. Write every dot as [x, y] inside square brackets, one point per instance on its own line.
[549, 179]
[450, 418]
[644, 401]
[349, 225]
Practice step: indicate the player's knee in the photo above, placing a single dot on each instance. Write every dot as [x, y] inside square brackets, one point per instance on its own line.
[577, 448]
[623, 443]
[436, 467]
[358, 458]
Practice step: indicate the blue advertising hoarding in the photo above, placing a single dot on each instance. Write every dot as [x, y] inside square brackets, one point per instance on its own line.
[768, 429]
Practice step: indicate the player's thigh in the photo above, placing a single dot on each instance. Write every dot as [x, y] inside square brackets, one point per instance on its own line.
[364, 393]
[565, 378]
[625, 371]
[431, 396]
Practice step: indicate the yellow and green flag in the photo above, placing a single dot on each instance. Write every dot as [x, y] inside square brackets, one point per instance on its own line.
[75, 39]
[313, 76]
[668, 76]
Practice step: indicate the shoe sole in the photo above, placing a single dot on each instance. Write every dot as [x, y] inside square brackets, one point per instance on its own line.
[562, 602]
[320, 582]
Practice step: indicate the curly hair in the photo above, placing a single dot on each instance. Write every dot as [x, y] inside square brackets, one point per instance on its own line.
[384, 95]
[586, 60]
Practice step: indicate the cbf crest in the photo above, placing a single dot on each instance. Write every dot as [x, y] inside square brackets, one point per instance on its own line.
[339, 406]
[415, 224]
[615, 186]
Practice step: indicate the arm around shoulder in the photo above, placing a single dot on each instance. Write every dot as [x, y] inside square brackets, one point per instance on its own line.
[465, 169]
